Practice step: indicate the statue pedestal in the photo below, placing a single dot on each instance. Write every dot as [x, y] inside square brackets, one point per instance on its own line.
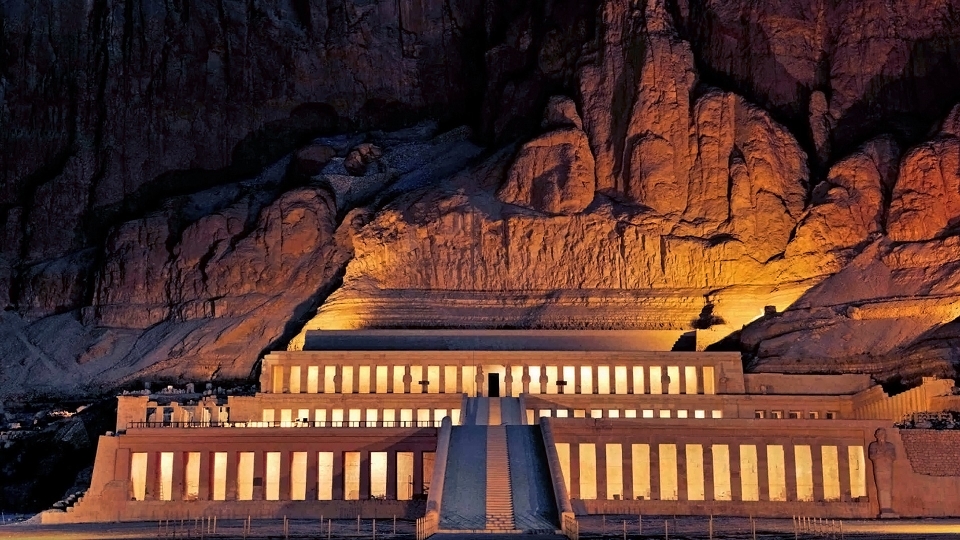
[889, 514]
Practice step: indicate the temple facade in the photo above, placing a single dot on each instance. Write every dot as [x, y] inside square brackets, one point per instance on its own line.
[518, 430]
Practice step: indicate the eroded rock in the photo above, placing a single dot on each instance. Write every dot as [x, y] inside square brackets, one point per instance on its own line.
[553, 173]
[360, 157]
[926, 198]
[310, 160]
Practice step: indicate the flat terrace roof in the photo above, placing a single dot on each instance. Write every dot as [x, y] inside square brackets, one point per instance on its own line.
[496, 340]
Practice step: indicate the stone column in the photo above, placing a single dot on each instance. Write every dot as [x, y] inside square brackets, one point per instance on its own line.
[259, 475]
[544, 380]
[364, 475]
[683, 379]
[708, 487]
[392, 488]
[205, 476]
[153, 476]
[646, 379]
[601, 473]
[525, 379]
[407, 379]
[790, 466]
[313, 474]
[654, 470]
[843, 457]
[816, 457]
[664, 380]
[233, 458]
[338, 380]
[286, 457]
[682, 492]
[700, 381]
[178, 487]
[418, 472]
[574, 470]
[736, 482]
[508, 381]
[627, 451]
[763, 478]
[338, 477]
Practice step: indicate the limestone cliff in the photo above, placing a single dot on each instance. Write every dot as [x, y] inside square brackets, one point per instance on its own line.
[180, 190]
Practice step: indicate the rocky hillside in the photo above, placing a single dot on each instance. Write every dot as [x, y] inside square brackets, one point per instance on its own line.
[187, 185]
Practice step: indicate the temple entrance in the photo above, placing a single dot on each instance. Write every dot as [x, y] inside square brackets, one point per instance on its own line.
[493, 385]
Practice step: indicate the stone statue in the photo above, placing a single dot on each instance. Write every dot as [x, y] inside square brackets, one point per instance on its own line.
[479, 380]
[883, 454]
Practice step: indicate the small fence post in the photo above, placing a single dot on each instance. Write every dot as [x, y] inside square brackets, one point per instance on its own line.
[374, 528]
[329, 525]
[640, 519]
[711, 526]
[666, 530]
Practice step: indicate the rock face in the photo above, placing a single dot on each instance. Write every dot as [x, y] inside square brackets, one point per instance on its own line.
[926, 199]
[553, 173]
[178, 218]
[884, 66]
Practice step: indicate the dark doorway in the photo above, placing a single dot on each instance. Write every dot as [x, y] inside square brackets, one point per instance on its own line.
[493, 385]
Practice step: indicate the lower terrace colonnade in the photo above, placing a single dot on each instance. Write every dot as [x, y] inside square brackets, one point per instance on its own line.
[625, 469]
[211, 465]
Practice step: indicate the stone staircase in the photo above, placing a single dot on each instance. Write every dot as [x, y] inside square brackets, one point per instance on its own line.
[494, 418]
[499, 495]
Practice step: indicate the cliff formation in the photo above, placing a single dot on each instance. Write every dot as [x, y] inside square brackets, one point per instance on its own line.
[186, 186]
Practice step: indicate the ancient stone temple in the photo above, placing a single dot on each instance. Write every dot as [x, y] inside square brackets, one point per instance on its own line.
[518, 430]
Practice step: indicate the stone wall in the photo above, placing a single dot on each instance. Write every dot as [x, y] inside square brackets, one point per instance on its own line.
[932, 452]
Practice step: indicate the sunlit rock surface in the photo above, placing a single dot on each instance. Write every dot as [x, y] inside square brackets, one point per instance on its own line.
[712, 158]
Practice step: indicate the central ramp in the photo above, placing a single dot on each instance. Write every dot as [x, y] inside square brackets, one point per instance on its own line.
[497, 478]
[534, 506]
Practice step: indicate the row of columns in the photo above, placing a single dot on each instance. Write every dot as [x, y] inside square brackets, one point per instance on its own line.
[206, 491]
[463, 384]
[708, 476]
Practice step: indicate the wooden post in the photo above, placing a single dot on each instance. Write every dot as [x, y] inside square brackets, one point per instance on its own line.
[711, 526]
[666, 530]
[624, 529]
[329, 525]
[640, 519]
[374, 528]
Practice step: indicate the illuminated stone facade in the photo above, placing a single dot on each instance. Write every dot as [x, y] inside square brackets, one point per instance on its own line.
[355, 425]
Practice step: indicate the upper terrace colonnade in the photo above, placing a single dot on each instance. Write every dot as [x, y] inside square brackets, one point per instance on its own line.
[498, 363]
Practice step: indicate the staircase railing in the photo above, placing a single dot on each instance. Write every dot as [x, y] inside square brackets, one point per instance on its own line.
[428, 525]
[435, 497]
[570, 526]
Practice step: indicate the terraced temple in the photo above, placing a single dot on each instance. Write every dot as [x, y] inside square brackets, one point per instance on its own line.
[506, 431]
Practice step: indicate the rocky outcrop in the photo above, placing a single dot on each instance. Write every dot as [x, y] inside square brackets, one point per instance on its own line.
[926, 199]
[883, 66]
[847, 208]
[553, 173]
